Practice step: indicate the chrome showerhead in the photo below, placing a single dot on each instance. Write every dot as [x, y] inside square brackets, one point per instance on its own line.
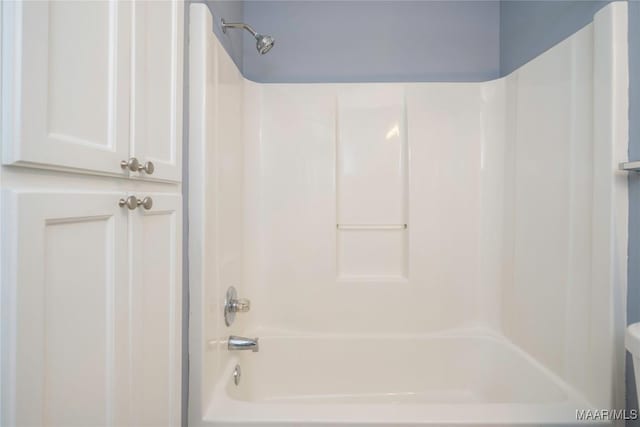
[264, 43]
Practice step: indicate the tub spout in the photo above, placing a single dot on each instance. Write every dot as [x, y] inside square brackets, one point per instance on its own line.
[242, 343]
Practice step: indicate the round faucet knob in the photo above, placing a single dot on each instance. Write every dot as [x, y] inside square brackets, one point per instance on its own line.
[240, 305]
[233, 305]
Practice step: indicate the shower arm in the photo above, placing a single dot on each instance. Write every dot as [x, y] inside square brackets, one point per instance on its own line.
[264, 42]
[240, 25]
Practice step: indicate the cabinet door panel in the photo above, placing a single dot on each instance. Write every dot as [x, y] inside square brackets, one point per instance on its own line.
[155, 237]
[67, 332]
[157, 87]
[66, 86]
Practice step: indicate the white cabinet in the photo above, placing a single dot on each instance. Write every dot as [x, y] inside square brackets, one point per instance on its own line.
[155, 248]
[93, 332]
[89, 84]
[91, 291]
[157, 86]
[66, 332]
[66, 83]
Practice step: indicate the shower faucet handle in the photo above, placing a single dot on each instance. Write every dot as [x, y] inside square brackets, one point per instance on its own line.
[233, 305]
[241, 305]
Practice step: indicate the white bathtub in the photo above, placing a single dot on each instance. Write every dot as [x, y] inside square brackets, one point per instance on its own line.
[391, 381]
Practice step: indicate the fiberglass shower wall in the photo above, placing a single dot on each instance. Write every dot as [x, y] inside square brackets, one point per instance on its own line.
[495, 181]
[374, 193]
[419, 208]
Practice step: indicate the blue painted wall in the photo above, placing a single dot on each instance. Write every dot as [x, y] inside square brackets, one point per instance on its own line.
[528, 28]
[374, 41]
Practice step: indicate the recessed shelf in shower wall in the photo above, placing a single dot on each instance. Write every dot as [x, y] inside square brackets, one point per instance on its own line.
[372, 252]
[371, 226]
[371, 184]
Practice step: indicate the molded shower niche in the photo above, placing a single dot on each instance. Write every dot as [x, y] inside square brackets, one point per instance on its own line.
[371, 185]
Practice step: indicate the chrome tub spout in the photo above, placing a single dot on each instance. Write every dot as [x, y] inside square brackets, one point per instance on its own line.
[242, 343]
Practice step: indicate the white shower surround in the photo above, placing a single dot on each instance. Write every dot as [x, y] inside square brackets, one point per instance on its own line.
[501, 302]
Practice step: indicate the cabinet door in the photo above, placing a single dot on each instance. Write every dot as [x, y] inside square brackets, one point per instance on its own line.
[157, 87]
[65, 288]
[66, 67]
[156, 259]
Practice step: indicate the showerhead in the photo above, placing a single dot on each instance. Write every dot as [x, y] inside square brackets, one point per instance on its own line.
[264, 43]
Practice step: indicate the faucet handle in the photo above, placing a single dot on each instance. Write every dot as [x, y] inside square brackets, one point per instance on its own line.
[233, 305]
[240, 305]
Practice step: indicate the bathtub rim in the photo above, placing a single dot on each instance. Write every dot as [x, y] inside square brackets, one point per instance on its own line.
[227, 410]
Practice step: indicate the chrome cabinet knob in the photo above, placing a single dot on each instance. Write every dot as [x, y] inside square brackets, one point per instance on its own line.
[134, 165]
[148, 168]
[146, 203]
[133, 202]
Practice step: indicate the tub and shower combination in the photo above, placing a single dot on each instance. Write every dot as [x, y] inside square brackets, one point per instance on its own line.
[413, 253]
